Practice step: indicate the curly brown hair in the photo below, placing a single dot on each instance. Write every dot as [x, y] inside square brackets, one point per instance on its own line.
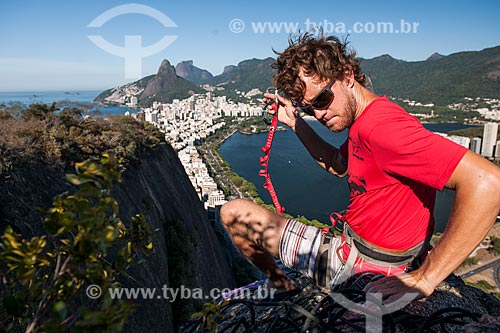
[324, 58]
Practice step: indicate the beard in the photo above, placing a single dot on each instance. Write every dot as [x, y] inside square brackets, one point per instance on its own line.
[347, 118]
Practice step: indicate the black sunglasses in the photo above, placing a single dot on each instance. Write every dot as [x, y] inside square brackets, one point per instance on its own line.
[322, 100]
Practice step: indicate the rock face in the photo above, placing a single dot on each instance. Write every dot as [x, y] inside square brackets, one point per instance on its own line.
[186, 250]
[165, 77]
[187, 70]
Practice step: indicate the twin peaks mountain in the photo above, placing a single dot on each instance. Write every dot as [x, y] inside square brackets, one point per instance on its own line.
[163, 86]
[439, 79]
[185, 79]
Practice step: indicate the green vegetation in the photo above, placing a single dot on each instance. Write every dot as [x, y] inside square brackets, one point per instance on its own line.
[59, 137]
[442, 114]
[471, 132]
[181, 89]
[45, 278]
[495, 245]
[249, 74]
[210, 314]
[441, 81]
[482, 284]
[252, 125]
[470, 261]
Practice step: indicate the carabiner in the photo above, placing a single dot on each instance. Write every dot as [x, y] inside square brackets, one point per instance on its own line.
[267, 116]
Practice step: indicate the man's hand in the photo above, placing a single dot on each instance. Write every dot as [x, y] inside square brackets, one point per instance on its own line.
[396, 287]
[287, 114]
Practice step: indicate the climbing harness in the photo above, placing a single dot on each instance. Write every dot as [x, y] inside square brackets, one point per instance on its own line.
[358, 248]
[266, 149]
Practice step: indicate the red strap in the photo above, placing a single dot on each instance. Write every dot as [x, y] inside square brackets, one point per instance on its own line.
[335, 217]
[264, 162]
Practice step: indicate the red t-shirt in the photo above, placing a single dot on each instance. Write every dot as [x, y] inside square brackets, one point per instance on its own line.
[395, 166]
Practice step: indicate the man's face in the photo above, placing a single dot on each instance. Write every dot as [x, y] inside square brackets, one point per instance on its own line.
[340, 114]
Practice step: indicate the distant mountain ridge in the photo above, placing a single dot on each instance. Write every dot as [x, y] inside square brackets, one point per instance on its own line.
[439, 79]
[247, 75]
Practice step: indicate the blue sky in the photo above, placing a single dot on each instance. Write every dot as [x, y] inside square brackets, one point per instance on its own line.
[45, 44]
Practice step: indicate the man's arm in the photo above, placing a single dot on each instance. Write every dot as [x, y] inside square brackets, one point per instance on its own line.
[327, 156]
[477, 202]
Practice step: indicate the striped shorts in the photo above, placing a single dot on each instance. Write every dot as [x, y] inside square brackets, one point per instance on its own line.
[299, 245]
[298, 250]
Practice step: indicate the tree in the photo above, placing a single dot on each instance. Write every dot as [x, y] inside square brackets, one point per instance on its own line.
[38, 111]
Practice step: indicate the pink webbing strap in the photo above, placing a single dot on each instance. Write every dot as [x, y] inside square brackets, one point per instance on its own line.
[264, 162]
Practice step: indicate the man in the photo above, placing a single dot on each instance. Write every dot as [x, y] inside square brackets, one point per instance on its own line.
[394, 167]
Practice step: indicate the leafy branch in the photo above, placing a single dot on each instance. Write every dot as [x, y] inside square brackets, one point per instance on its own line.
[44, 278]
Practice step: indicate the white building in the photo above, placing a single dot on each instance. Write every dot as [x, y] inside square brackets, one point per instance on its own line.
[475, 145]
[216, 198]
[133, 101]
[461, 140]
[497, 151]
[489, 139]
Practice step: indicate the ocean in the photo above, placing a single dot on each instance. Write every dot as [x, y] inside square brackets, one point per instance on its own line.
[47, 97]
[303, 187]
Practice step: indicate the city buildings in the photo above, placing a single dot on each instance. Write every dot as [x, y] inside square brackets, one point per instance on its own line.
[475, 145]
[487, 147]
[489, 139]
[186, 122]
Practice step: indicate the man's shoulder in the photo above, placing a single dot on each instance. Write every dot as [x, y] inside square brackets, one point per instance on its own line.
[382, 107]
[386, 116]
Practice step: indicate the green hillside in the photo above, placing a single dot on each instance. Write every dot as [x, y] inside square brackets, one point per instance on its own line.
[441, 81]
[247, 75]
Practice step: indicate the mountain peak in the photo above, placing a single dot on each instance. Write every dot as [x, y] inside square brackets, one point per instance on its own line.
[384, 57]
[228, 68]
[166, 68]
[188, 71]
[435, 56]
